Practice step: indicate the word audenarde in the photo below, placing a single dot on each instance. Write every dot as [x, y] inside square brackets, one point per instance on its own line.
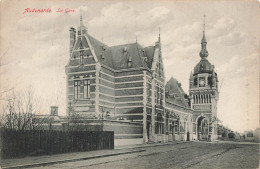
[34, 10]
[48, 10]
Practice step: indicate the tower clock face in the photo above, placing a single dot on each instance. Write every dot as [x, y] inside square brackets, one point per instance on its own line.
[202, 82]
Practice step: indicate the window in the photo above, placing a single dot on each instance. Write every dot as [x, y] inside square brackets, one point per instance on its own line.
[86, 89]
[81, 59]
[159, 125]
[76, 89]
[148, 92]
[129, 63]
[173, 128]
[167, 124]
[158, 95]
[195, 81]
[177, 126]
[161, 96]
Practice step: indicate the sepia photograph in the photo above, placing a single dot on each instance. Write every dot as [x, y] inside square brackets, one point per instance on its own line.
[129, 84]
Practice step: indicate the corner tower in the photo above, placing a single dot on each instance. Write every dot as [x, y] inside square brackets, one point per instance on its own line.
[204, 94]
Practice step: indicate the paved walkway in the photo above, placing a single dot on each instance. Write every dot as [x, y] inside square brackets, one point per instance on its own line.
[75, 156]
[227, 142]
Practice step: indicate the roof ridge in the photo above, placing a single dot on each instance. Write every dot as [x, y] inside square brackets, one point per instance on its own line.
[127, 44]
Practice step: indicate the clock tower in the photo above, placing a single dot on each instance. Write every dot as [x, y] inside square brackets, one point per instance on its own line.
[203, 92]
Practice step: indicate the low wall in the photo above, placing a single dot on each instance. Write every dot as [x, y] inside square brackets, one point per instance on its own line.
[124, 130]
[123, 142]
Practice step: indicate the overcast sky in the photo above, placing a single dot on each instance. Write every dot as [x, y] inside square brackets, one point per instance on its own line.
[35, 46]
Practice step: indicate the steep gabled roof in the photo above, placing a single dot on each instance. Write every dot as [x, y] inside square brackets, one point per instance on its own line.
[149, 53]
[101, 49]
[121, 54]
[116, 57]
[175, 93]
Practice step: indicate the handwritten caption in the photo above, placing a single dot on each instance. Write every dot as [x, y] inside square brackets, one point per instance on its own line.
[48, 10]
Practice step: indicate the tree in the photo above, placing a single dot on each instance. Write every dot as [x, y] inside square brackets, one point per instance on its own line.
[231, 135]
[20, 111]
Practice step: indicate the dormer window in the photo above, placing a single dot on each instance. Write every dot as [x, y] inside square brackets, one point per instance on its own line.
[125, 49]
[102, 55]
[103, 47]
[145, 59]
[129, 62]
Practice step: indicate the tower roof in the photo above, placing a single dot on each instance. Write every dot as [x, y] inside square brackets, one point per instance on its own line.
[203, 52]
[204, 66]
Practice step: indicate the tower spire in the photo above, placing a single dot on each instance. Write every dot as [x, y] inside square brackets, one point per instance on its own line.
[204, 52]
[159, 35]
[204, 25]
[158, 43]
[81, 17]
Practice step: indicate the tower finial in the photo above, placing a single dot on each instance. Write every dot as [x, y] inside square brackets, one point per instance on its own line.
[204, 24]
[203, 52]
[81, 17]
[159, 34]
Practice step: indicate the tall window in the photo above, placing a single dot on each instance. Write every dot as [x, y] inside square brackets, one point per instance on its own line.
[81, 57]
[76, 89]
[161, 97]
[148, 92]
[81, 60]
[159, 126]
[158, 95]
[86, 89]
[156, 91]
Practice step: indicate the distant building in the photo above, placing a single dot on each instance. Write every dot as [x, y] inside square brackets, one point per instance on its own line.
[124, 86]
[51, 121]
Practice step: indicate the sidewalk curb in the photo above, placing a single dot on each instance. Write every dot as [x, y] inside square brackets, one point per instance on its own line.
[153, 145]
[69, 160]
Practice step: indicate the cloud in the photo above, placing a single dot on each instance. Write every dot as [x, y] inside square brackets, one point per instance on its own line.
[226, 31]
[240, 66]
[120, 14]
[232, 38]
[124, 22]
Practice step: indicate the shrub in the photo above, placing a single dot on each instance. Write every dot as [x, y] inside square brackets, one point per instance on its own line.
[231, 135]
[250, 134]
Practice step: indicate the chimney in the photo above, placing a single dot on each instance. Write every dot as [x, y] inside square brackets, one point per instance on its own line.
[54, 110]
[72, 38]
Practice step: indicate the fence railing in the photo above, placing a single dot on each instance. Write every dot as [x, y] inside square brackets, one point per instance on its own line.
[24, 143]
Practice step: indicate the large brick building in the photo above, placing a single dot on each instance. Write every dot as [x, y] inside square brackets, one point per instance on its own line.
[125, 87]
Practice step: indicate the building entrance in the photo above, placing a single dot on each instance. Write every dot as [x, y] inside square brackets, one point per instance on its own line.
[203, 128]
